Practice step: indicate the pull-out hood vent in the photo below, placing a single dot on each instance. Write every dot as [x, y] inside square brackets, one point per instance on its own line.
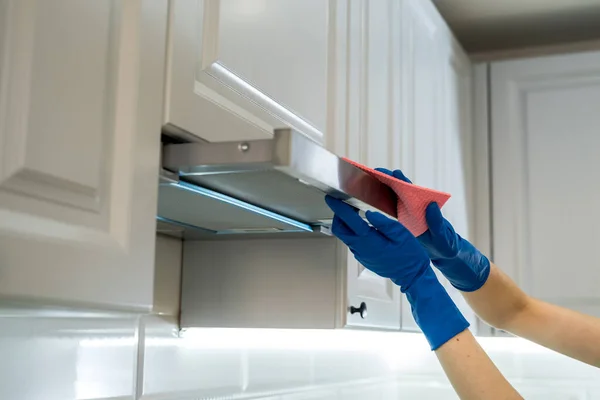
[214, 190]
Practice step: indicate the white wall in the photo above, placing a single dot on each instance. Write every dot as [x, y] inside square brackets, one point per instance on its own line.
[89, 358]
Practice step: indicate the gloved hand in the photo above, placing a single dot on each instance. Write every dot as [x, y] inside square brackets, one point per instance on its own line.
[388, 249]
[462, 264]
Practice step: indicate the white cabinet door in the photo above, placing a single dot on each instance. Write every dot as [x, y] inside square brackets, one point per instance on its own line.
[370, 134]
[240, 68]
[422, 66]
[455, 147]
[409, 108]
[80, 102]
[436, 140]
[545, 145]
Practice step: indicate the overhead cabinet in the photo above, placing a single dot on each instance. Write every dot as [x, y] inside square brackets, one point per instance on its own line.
[394, 93]
[329, 70]
[239, 69]
[226, 196]
[87, 86]
[544, 146]
[80, 103]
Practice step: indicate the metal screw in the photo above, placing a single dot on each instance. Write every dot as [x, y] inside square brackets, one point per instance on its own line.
[244, 147]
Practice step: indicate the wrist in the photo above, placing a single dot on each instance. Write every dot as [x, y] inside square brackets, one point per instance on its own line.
[463, 275]
[433, 310]
[468, 270]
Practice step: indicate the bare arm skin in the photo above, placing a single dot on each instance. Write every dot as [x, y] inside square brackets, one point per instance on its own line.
[471, 372]
[502, 304]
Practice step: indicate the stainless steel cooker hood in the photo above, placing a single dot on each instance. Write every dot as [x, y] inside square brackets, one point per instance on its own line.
[260, 187]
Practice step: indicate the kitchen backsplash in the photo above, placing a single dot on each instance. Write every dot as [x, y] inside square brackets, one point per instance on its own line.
[59, 358]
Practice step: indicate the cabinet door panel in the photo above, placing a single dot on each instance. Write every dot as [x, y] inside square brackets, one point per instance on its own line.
[455, 159]
[372, 134]
[545, 146]
[421, 112]
[436, 137]
[241, 68]
[423, 94]
[78, 158]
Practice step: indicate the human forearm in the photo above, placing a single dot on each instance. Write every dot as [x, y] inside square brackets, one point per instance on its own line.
[471, 372]
[499, 300]
[387, 248]
[565, 331]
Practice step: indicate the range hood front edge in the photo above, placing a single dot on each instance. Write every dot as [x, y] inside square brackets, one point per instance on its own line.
[281, 179]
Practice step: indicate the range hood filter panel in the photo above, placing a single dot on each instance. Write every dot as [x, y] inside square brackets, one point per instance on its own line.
[179, 204]
[273, 190]
[277, 185]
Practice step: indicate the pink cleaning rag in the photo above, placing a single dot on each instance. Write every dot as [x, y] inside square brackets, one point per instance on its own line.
[412, 199]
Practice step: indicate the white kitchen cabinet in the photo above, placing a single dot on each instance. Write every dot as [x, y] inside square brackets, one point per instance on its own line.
[408, 107]
[423, 72]
[80, 104]
[545, 142]
[456, 161]
[436, 121]
[371, 134]
[366, 126]
[238, 69]
[421, 106]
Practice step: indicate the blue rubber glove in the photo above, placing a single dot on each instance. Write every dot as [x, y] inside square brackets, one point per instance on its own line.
[462, 264]
[388, 249]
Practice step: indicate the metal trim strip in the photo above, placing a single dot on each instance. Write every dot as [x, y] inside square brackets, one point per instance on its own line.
[301, 227]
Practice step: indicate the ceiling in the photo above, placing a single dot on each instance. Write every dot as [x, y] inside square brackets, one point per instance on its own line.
[489, 25]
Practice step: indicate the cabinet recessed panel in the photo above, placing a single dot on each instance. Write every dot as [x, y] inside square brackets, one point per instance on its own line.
[73, 207]
[279, 47]
[240, 69]
[373, 135]
[546, 169]
[56, 148]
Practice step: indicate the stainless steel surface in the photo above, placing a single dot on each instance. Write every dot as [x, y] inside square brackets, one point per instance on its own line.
[259, 188]
[184, 231]
[193, 159]
[288, 175]
[167, 177]
[183, 207]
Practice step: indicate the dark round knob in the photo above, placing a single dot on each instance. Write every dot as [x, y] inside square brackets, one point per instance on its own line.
[362, 310]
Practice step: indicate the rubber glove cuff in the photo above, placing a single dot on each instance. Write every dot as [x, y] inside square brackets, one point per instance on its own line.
[433, 309]
[462, 264]
[468, 270]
